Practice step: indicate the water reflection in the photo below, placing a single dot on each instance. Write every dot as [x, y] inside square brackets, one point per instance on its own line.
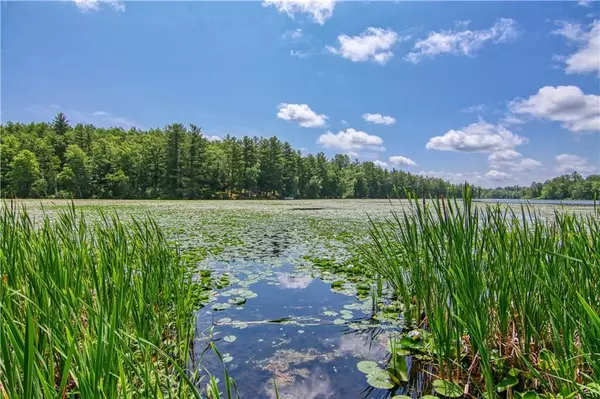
[288, 280]
[317, 386]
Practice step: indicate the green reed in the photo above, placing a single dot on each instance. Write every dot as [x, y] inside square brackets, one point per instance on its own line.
[498, 290]
[100, 309]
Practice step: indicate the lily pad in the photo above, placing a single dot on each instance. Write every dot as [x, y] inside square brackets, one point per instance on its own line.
[238, 300]
[337, 283]
[220, 306]
[447, 388]
[339, 321]
[227, 358]
[379, 379]
[229, 338]
[400, 397]
[366, 366]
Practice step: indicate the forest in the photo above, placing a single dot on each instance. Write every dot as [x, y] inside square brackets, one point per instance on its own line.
[57, 160]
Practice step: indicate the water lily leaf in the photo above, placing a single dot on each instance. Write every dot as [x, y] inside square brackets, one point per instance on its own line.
[447, 388]
[507, 382]
[366, 366]
[400, 397]
[227, 358]
[339, 321]
[238, 300]
[224, 320]
[399, 367]
[379, 379]
[429, 397]
[330, 313]
[229, 338]
[220, 306]
[337, 283]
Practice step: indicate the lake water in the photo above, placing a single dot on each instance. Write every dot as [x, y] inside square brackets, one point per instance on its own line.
[280, 319]
[538, 202]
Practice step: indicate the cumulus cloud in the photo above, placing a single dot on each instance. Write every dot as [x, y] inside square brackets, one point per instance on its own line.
[302, 114]
[374, 45]
[213, 138]
[586, 40]
[94, 5]
[319, 10]
[379, 119]
[399, 160]
[464, 42]
[477, 137]
[497, 175]
[381, 164]
[351, 140]
[513, 160]
[568, 105]
[567, 163]
[454, 177]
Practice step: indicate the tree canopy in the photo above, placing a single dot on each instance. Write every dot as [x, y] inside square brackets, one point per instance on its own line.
[56, 160]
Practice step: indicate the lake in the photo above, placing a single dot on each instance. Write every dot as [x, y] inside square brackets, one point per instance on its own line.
[294, 311]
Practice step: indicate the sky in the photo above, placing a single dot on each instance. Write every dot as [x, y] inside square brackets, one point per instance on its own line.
[496, 93]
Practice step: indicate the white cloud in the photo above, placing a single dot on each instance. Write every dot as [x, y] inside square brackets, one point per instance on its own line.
[497, 175]
[567, 163]
[576, 111]
[398, 160]
[302, 114]
[381, 164]
[351, 140]
[587, 41]
[513, 160]
[213, 138]
[320, 10]
[301, 54]
[454, 177]
[465, 42]
[477, 137]
[584, 3]
[374, 45]
[379, 119]
[295, 35]
[94, 5]
[474, 108]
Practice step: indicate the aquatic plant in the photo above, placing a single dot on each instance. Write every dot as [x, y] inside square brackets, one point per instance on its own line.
[99, 309]
[510, 299]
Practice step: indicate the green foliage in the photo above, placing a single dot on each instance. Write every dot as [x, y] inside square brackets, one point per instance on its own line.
[179, 162]
[513, 294]
[93, 309]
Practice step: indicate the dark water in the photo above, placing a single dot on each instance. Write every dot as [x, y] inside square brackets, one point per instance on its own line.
[308, 354]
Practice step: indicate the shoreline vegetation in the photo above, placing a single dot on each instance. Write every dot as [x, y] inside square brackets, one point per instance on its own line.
[101, 309]
[501, 301]
[498, 302]
[57, 160]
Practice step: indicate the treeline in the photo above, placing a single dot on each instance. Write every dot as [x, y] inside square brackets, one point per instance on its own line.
[570, 186]
[57, 160]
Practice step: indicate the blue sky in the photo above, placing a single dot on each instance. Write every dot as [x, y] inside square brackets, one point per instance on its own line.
[498, 93]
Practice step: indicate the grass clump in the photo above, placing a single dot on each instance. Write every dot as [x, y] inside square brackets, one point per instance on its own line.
[93, 309]
[509, 300]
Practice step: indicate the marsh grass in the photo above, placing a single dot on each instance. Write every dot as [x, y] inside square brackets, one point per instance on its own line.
[100, 309]
[501, 293]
